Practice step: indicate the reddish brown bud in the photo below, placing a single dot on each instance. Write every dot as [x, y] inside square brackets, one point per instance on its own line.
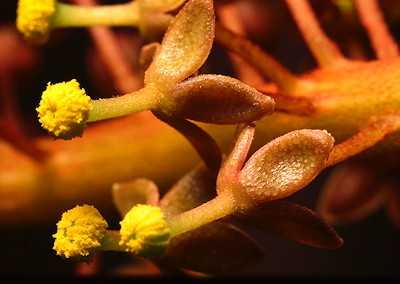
[217, 99]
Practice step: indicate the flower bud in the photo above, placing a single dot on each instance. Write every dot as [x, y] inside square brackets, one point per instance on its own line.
[144, 231]
[79, 233]
[34, 19]
[217, 99]
[64, 109]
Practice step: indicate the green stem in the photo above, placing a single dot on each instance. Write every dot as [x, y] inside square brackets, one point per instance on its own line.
[221, 206]
[68, 15]
[146, 98]
[110, 241]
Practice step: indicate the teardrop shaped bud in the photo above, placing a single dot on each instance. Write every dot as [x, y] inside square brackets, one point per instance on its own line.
[294, 222]
[217, 247]
[351, 193]
[185, 46]
[217, 99]
[283, 166]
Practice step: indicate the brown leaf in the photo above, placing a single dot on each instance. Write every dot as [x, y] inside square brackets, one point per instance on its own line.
[214, 248]
[294, 222]
[217, 99]
[139, 191]
[192, 190]
[352, 192]
[185, 46]
[283, 166]
[204, 144]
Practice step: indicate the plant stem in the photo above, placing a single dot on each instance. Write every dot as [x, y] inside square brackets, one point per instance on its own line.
[221, 206]
[68, 15]
[258, 58]
[146, 98]
[323, 49]
[365, 139]
[374, 23]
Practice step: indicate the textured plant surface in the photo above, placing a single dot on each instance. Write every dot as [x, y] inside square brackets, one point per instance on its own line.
[192, 139]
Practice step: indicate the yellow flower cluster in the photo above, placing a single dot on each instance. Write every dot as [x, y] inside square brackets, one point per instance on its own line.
[79, 232]
[64, 109]
[144, 231]
[34, 19]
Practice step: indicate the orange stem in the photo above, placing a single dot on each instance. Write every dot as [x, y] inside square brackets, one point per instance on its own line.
[372, 19]
[229, 16]
[257, 57]
[324, 50]
[365, 139]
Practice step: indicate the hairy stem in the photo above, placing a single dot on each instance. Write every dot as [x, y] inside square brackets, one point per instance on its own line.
[146, 98]
[221, 206]
[68, 15]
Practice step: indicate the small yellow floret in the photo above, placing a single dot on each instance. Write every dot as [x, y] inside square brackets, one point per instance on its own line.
[144, 231]
[79, 233]
[64, 109]
[34, 19]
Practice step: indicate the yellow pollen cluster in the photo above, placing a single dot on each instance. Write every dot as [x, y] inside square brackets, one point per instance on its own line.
[144, 231]
[79, 232]
[34, 19]
[64, 109]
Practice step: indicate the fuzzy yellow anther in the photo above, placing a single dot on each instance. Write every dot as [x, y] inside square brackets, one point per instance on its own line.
[79, 233]
[144, 231]
[34, 19]
[64, 109]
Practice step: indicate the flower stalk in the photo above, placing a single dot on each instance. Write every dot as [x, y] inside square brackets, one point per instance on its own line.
[69, 15]
[146, 98]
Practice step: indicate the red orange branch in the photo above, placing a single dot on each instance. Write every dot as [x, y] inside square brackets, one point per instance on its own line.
[372, 19]
[324, 50]
[257, 57]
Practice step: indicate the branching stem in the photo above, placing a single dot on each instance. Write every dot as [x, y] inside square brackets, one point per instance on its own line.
[323, 49]
[257, 57]
[373, 21]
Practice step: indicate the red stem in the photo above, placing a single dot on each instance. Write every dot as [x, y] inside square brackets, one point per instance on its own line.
[372, 19]
[257, 57]
[324, 50]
